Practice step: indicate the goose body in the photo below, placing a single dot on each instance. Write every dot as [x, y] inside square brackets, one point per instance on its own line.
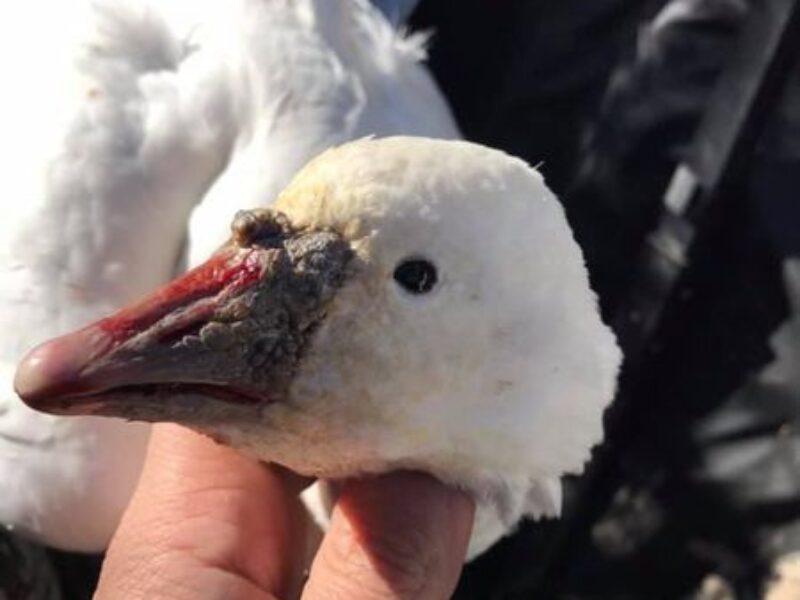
[137, 126]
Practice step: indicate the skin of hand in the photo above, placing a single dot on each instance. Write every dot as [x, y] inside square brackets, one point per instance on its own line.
[209, 523]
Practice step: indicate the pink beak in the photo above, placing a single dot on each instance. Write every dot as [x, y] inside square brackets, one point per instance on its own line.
[231, 332]
[62, 374]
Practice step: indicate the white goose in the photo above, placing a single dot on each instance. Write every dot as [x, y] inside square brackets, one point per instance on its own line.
[126, 116]
[406, 303]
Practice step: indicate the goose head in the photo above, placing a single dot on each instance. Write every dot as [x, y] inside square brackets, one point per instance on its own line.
[404, 303]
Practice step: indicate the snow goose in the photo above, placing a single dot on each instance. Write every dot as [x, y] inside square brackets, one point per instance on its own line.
[405, 303]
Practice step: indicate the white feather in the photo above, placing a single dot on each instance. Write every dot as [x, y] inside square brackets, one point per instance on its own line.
[119, 117]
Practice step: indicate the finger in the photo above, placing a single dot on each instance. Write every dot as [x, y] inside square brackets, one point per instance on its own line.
[205, 522]
[402, 535]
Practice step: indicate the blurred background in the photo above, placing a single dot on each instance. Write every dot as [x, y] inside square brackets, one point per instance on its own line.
[670, 129]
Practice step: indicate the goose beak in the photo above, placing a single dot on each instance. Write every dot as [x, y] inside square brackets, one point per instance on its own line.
[230, 331]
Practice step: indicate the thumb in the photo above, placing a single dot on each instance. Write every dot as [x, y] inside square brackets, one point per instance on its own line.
[402, 535]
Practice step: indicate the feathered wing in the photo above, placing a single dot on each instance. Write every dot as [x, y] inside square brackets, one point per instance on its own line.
[108, 144]
[126, 114]
[305, 76]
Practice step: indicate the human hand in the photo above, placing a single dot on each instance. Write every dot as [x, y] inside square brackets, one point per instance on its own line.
[207, 522]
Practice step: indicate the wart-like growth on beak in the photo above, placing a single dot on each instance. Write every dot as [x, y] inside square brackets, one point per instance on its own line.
[233, 330]
[267, 228]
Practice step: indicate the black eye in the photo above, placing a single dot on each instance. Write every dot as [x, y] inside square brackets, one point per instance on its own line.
[417, 275]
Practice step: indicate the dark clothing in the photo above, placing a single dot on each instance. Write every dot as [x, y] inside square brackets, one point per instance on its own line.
[700, 476]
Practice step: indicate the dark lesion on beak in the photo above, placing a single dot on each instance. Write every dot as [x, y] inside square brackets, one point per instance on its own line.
[267, 228]
[232, 331]
[306, 267]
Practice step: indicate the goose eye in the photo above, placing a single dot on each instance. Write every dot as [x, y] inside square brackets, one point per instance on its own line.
[416, 276]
